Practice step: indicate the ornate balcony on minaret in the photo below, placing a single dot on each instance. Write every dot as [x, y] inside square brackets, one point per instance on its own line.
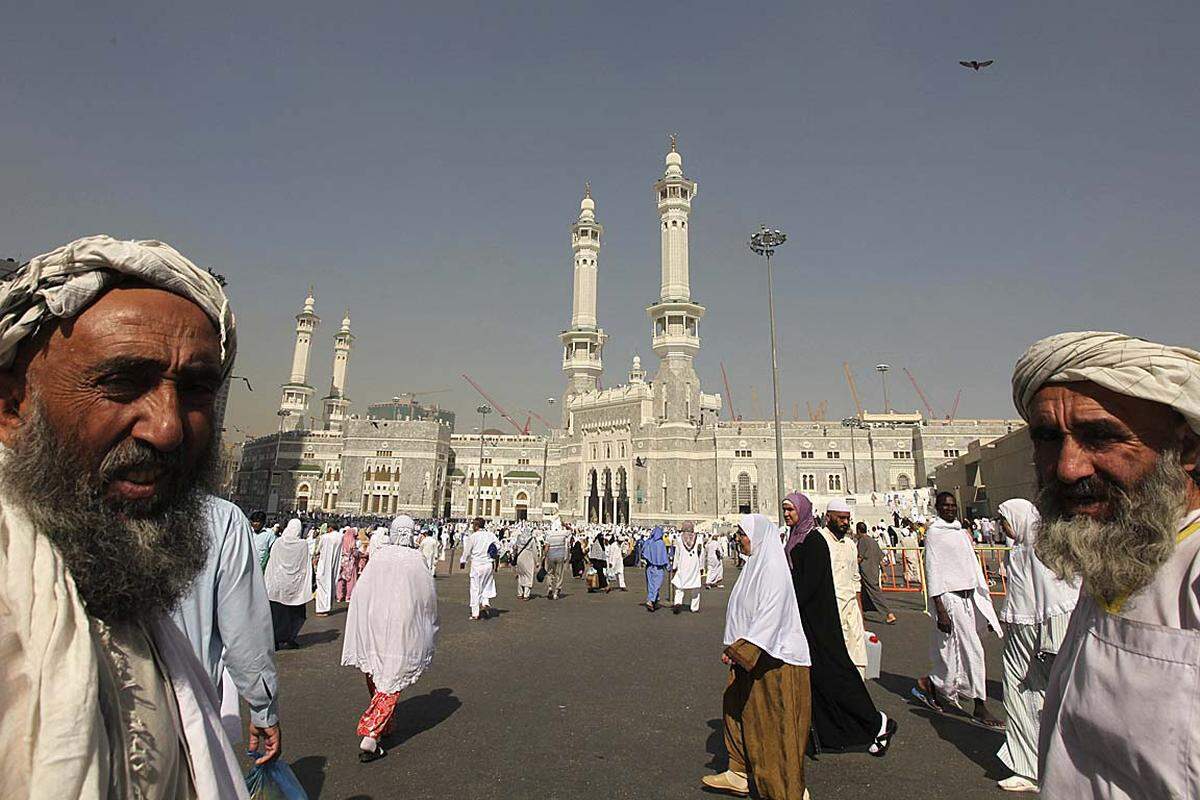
[296, 393]
[675, 318]
[583, 342]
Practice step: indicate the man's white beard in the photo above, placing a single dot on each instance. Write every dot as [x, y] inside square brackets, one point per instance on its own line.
[129, 561]
[1119, 556]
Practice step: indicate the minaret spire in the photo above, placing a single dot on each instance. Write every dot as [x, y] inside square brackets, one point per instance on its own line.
[584, 341]
[676, 337]
[336, 403]
[293, 403]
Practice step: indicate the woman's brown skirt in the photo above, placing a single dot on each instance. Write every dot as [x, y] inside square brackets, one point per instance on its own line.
[768, 710]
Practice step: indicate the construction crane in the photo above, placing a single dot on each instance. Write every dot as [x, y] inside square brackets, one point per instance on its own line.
[853, 389]
[499, 409]
[954, 409]
[728, 394]
[754, 403]
[920, 394]
[796, 410]
[819, 414]
[541, 419]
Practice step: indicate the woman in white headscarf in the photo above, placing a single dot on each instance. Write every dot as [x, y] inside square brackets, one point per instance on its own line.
[289, 579]
[391, 628]
[1035, 616]
[768, 703]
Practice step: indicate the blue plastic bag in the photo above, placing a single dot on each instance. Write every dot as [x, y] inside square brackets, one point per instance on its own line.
[273, 781]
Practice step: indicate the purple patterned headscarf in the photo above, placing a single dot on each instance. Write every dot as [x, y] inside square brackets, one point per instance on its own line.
[806, 523]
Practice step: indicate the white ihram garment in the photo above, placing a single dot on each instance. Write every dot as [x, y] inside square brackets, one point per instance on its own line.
[762, 606]
[847, 582]
[687, 571]
[615, 559]
[951, 567]
[1122, 714]
[715, 561]
[329, 561]
[392, 623]
[483, 577]
[429, 552]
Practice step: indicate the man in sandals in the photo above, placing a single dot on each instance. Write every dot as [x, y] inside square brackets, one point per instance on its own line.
[958, 603]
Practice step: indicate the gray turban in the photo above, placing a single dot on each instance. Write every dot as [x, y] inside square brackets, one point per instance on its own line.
[63, 282]
[1133, 367]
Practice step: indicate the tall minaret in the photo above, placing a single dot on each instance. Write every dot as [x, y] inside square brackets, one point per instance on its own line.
[293, 405]
[676, 338]
[336, 404]
[583, 342]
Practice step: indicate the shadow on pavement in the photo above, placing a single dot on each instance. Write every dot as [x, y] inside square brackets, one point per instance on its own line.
[317, 637]
[310, 771]
[976, 744]
[715, 746]
[419, 714]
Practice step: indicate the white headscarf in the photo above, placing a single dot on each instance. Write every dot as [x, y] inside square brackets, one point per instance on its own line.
[63, 282]
[392, 623]
[289, 568]
[762, 607]
[1034, 592]
[401, 530]
[1134, 367]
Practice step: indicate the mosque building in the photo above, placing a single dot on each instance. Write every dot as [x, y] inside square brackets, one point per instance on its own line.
[650, 450]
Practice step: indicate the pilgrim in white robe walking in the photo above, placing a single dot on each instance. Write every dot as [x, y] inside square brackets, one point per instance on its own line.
[714, 561]
[329, 561]
[429, 551]
[847, 582]
[688, 558]
[391, 629]
[615, 557]
[288, 578]
[952, 572]
[1036, 612]
[477, 549]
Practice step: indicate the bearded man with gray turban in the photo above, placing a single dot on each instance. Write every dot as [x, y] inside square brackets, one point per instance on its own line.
[1115, 423]
[111, 356]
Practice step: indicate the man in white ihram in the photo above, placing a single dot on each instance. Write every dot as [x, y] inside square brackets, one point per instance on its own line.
[1115, 423]
[481, 548]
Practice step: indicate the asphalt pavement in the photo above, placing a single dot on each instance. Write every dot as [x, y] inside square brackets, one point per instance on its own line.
[592, 696]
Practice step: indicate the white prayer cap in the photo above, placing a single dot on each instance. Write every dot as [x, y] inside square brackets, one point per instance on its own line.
[401, 529]
[63, 282]
[837, 505]
[1123, 364]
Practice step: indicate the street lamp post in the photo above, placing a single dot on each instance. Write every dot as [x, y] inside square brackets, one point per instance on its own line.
[483, 410]
[546, 459]
[882, 369]
[763, 243]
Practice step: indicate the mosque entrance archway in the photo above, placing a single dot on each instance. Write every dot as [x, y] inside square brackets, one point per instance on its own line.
[593, 498]
[903, 482]
[303, 495]
[743, 494]
[607, 507]
[622, 497]
[521, 503]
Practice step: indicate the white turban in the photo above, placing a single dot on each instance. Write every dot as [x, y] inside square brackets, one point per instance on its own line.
[838, 506]
[63, 282]
[1133, 367]
[401, 530]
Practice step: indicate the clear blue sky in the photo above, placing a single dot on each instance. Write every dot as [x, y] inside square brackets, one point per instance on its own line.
[422, 167]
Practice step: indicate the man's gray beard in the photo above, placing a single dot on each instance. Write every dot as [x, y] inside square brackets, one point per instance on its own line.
[1119, 556]
[129, 560]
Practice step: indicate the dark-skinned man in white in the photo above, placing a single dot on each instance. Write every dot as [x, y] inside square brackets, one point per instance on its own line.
[1115, 423]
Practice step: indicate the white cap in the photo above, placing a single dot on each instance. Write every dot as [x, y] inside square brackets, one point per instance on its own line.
[837, 505]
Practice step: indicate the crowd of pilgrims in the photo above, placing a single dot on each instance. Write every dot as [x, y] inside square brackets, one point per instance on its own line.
[794, 636]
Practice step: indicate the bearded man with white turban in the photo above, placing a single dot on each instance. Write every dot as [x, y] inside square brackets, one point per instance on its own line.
[1115, 423]
[391, 628]
[111, 356]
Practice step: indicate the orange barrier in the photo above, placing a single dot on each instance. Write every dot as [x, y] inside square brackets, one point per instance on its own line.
[906, 570]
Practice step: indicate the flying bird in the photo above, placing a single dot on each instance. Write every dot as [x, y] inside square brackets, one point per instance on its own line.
[977, 65]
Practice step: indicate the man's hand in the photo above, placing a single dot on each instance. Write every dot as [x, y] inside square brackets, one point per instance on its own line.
[943, 623]
[726, 660]
[269, 740]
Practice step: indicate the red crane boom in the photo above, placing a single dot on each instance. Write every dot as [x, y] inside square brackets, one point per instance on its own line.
[954, 409]
[920, 394]
[541, 419]
[728, 393]
[499, 409]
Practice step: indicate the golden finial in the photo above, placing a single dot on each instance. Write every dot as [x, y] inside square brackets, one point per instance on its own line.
[587, 188]
[674, 142]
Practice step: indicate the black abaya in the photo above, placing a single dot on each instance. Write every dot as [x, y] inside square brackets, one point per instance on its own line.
[843, 713]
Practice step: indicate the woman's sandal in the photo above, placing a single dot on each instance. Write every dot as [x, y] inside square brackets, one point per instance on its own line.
[884, 740]
[376, 754]
[927, 700]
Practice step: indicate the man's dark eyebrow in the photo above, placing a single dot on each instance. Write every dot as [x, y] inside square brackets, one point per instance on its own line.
[126, 364]
[1100, 427]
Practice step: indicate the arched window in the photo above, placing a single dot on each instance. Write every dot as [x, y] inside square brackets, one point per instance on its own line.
[903, 482]
[808, 482]
[835, 482]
